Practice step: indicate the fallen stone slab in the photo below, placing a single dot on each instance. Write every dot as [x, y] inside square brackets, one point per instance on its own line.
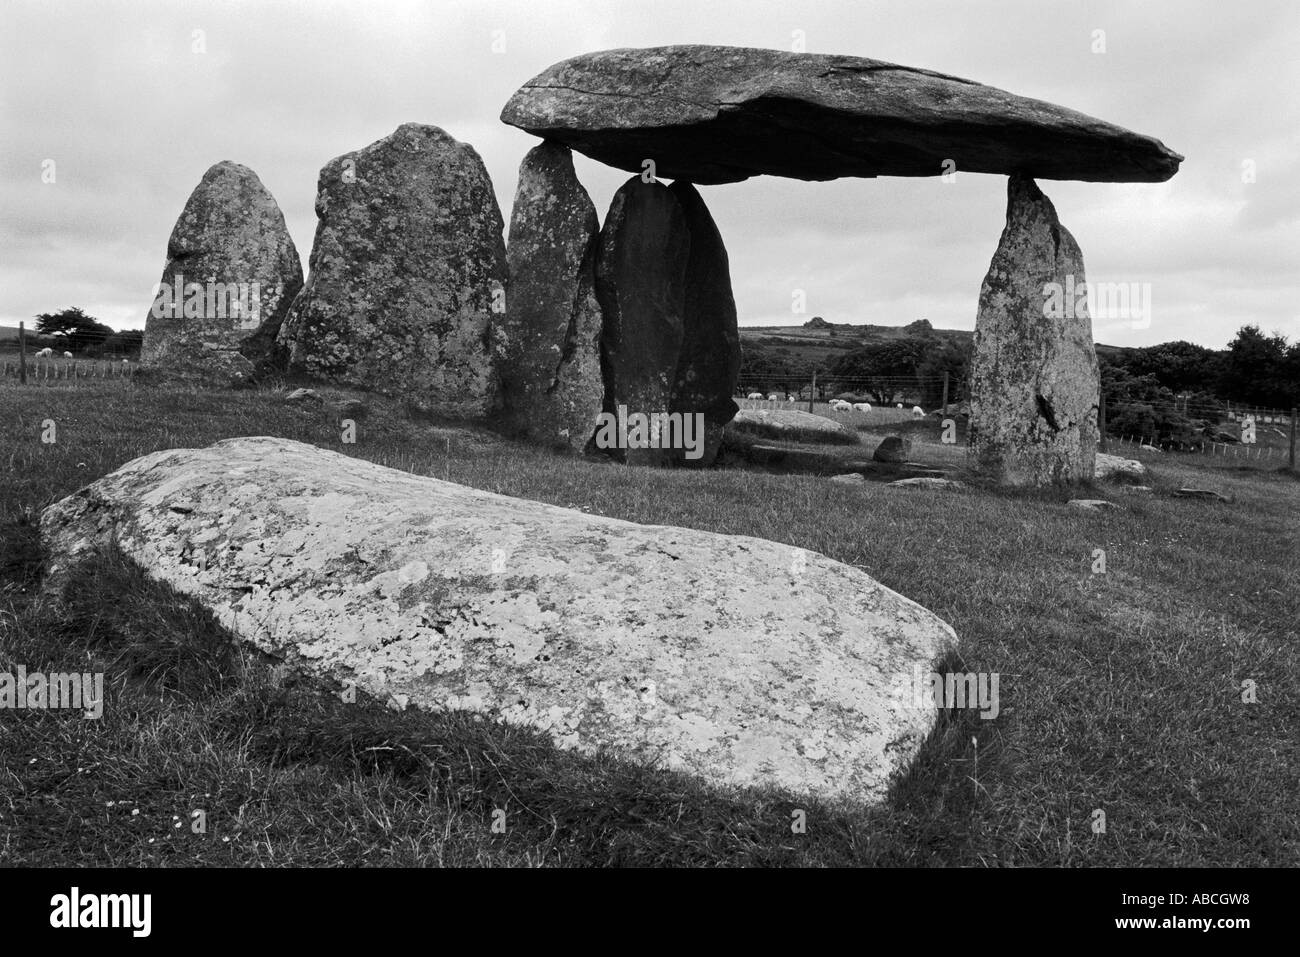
[849, 478]
[784, 419]
[1202, 493]
[739, 660]
[302, 395]
[1095, 504]
[717, 114]
[928, 483]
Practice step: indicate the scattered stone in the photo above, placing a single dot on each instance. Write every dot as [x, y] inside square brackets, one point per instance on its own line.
[522, 611]
[407, 279]
[1114, 467]
[1137, 489]
[1034, 382]
[1151, 448]
[351, 409]
[715, 114]
[232, 271]
[709, 363]
[551, 386]
[849, 478]
[1200, 493]
[1096, 504]
[641, 287]
[786, 419]
[930, 483]
[894, 448]
[299, 395]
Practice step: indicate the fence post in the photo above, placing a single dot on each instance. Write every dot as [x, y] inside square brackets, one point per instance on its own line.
[945, 393]
[1294, 412]
[1101, 419]
[22, 353]
[812, 391]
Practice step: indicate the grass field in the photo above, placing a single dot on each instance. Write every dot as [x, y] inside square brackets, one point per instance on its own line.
[1120, 692]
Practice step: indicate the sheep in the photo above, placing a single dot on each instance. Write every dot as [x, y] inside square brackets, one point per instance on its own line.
[862, 406]
[900, 405]
[67, 355]
[918, 411]
[790, 398]
[755, 395]
[774, 397]
[839, 405]
[45, 352]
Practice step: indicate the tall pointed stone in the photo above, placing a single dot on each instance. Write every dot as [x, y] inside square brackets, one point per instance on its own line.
[709, 364]
[1034, 380]
[551, 385]
[232, 272]
[641, 287]
[408, 275]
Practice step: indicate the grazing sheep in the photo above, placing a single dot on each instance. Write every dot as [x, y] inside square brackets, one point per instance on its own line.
[791, 398]
[917, 411]
[774, 397]
[862, 406]
[67, 355]
[839, 405]
[755, 395]
[45, 352]
[900, 405]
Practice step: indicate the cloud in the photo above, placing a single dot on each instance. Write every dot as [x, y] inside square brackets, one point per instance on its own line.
[133, 101]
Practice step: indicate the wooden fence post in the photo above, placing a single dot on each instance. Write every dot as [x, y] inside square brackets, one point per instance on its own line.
[22, 353]
[945, 393]
[812, 391]
[1294, 413]
[1101, 420]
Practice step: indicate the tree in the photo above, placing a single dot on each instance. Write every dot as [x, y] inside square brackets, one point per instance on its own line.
[76, 330]
[1261, 370]
[888, 369]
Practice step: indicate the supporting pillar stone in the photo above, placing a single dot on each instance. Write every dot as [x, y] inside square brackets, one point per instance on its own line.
[551, 384]
[1034, 378]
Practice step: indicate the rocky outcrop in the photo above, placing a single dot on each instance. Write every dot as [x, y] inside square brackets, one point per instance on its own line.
[408, 273]
[782, 420]
[715, 114]
[641, 286]
[893, 448]
[1117, 468]
[1033, 377]
[551, 384]
[232, 271]
[742, 661]
[708, 366]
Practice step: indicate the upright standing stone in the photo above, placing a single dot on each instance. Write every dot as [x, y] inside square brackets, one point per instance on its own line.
[641, 287]
[407, 276]
[709, 364]
[1034, 384]
[232, 271]
[551, 385]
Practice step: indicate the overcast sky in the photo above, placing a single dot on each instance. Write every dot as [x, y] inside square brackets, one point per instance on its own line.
[117, 96]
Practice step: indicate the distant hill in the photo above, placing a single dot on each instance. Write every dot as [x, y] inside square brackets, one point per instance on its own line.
[8, 332]
[817, 343]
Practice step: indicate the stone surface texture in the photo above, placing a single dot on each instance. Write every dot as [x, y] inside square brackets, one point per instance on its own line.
[739, 660]
[716, 114]
[1034, 375]
[407, 280]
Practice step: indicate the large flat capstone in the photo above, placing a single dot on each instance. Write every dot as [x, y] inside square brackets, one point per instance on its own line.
[740, 660]
[716, 114]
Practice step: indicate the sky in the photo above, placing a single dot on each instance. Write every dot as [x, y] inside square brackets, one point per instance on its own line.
[124, 105]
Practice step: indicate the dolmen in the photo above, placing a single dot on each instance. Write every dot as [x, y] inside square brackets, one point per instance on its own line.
[703, 115]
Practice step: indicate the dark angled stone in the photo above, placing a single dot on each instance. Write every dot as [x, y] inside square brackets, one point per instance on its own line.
[709, 363]
[641, 286]
[713, 114]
